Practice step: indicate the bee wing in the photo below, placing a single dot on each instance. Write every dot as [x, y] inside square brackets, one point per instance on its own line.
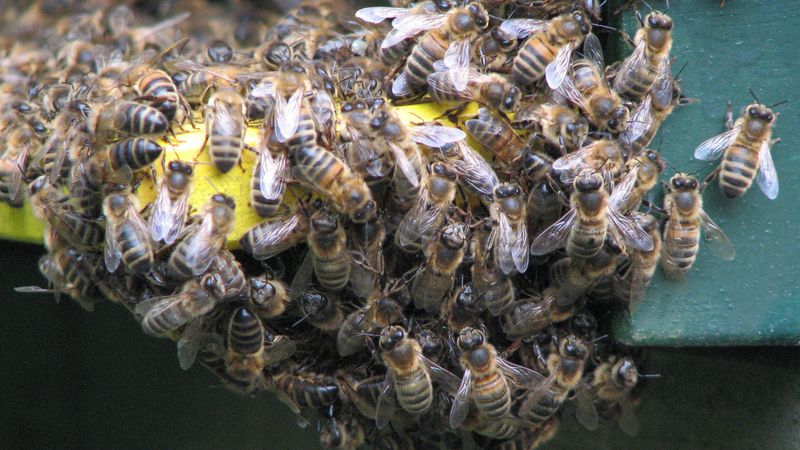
[442, 81]
[198, 255]
[386, 402]
[400, 86]
[662, 87]
[112, 252]
[447, 380]
[593, 51]
[570, 92]
[404, 164]
[192, 66]
[287, 115]
[418, 221]
[533, 396]
[558, 69]
[510, 247]
[718, 242]
[302, 278]
[225, 121]
[522, 376]
[155, 305]
[161, 220]
[474, 171]
[379, 14]
[585, 411]
[189, 343]
[712, 149]
[622, 192]
[522, 28]
[436, 136]
[361, 149]
[272, 173]
[640, 122]
[572, 161]
[265, 88]
[456, 58]
[554, 236]
[410, 25]
[16, 172]
[767, 176]
[630, 65]
[278, 231]
[627, 419]
[531, 318]
[281, 348]
[629, 230]
[460, 408]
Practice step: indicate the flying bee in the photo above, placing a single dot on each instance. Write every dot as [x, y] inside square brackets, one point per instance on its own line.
[531, 315]
[474, 172]
[487, 378]
[367, 241]
[128, 237]
[444, 255]
[195, 252]
[265, 240]
[268, 298]
[566, 368]
[322, 310]
[612, 382]
[225, 128]
[424, 219]
[489, 90]
[648, 68]
[409, 376]
[548, 48]
[593, 213]
[447, 38]
[172, 203]
[510, 240]
[604, 156]
[496, 136]
[745, 151]
[327, 242]
[107, 121]
[635, 274]
[686, 218]
[197, 297]
[490, 285]
[561, 126]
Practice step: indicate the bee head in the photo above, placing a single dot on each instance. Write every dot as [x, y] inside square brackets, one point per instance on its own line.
[625, 373]
[391, 336]
[313, 303]
[584, 24]
[507, 190]
[470, 338]
[479, 15]
[261, 290]
[683, 182]
[656, 158]
[212, 283]
[512, 97]
[572, 347]
[445, 171]
[759, 118]
[503, 38]
[618, 120]
[222, 199]
[453, 237]
[588, 182]
[324, 221]
[659, 28]
[365, 212]
[219, 51]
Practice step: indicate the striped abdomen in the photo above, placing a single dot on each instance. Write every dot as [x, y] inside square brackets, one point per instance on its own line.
[134, 153]
[547, 406]
[587, 236]
[532, 60]
[392, 55]
[680, 244]
[491, 393]
[638, 83]
[492, 288]
[245, 333]
[319, 167]
[137, 119]
[85, 232]
[265, 207]
[430, 287]
[160, 321]
[414, 390]
[306, 134]
[430, 48]
[137, 251]
[498, 429]
[77, 273]
[158, 84]
[738, 168]
[497, 137]
[225, 143]
[331, 265]
[308, 390]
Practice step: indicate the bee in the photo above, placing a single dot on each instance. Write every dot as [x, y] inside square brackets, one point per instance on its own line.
[424, 219]
[381, 311]
[194, 254]
[409, 376]
[576, 277]
[158, 87]
[197, 297]
[304, 390]
[444, 256]
[544, 207]
[447, 38]
[550, 8]
[635, 274]
[612, 382]
[745, 151]
[531, 439]
[646, 119]
[128, 237]
[194, 81]
[560, 125]
[71, 272]
[593, 213]
[495, 50]
[604, 155]
[492, 91]
[108, 121]
[648, 68]
[265, 240]
[686, 219]
[368, 262]
[486, 379]
[510, 240]
[49, 206]
[548, 50]
[13, 165]
[496, 136]
[292, 119]
[369, 160]
[171, 206]
[647, 166]
[347, 434]
[363, 393]
[327, 242]
[133, 153]
[248, 352]
[566, 368]
[528, 316]
[267, 298]
[229, 269]
[461, 309]
[474, 173]
[323, 311]
[225, 128]
[491, 286]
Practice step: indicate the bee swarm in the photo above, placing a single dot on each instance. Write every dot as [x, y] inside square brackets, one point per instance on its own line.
[425, 290]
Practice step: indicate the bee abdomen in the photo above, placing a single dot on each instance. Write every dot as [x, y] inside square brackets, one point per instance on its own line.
[738, 169]
[492, 395]
[415, 392]
[586, 239]
[306, 134]
[332, 272]
[246, 333]
[531, 61]
[166, 320]
[312, 391]
[134, 153]
[265, 207]
[142, 119]
[420, 63]
[137, 251]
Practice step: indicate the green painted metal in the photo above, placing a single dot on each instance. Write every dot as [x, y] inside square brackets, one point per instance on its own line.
[754, 300]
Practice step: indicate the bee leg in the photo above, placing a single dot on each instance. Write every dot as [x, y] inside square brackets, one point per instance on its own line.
[709, 178]
[202, 147]
[653, 207]
[729, 117]
[453, 113]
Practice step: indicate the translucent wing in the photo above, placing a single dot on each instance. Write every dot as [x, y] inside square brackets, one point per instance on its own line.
[436, 136]
[189, 343]
[407, 26]
[767, 176]
[622, 192]
[460, 407]
[585, 411]
[443, 83]
[640, 122]
[554, 236]
[280, 349]
[379, 14]
[718, 242]
[627, 419]
[400, 86]
[510, 246]
[157, 305]
[558, 69]
[302, 277]
[522, 376]
[593, 51]
[227, 122]
[164, 217]
[198, 255]
[572, 162]
[386, 402]
[112, 253]
[533, 317]
[419, 221]
[630, 65]
[662, 87]
[712, 149]
[272, 174]
[570, 92]
[535, 395]
[522, 28]
[278, 231]
[446, 379]
[192, 66]
[629, 230]
[456, 58]
[287, 115]
[474, 171]
[363, 150]
[16, 177]
[404, 164]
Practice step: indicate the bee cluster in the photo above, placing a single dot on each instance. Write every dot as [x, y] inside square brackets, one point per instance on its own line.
[424, 291]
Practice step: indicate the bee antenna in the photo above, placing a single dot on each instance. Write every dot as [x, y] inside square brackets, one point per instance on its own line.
[681, 71]
[777, 104]
[647, 4]
[208, 180]
[599, 338]
[649, 375]
[301, 320]
[754, 95]
[599, 25]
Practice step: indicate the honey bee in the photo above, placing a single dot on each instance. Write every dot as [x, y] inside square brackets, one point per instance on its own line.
[322, 310]
[612, 383]
[462, 308]
[265, 240]
[593, 213]
[172, 203]
[225, 128]
[510, 240]
[368, 261]
[107, 121]
[292, 119]
[381, 311]
[489, 90]
[635, 274]
[444, 255]
[560, 125]
[229, 269]
[347, 434]
[745, 151]
[496, 136]
[604, 155]
[491, 286]
[424, 219]
[566, 368]
[548, 50]
[362, 393]
[194, 254]
[133, 153]
[684, 205]
[647, 166]
[544, 207]
[550, 8]
[648, 68]
[49, 206]
[530, 315]
[197, 297]
[327, 242]
[409, 376]
[576, 277]
[370, 161]
[128, 237]
[474, 172]
[304, 390]
[486, 379]
[69, 271]
[646, 119]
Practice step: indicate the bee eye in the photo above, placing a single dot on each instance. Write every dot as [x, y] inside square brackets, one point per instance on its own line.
[752, 111]
[612, 123]
[652, 21]
[651, 155]
[768, 117]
